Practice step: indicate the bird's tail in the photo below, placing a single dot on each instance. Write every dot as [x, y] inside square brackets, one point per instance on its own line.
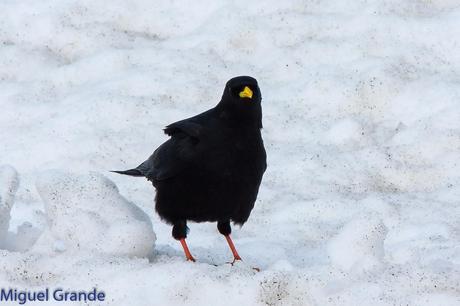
[132, 172]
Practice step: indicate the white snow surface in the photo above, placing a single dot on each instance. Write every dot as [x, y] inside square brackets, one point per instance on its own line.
[360, 204]
[86, 212]
[9, 182]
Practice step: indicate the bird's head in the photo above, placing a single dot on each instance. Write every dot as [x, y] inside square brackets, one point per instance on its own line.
[241, 100]
[243, 89]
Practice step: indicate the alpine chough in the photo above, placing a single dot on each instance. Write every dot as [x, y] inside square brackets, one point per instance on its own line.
[211, 167]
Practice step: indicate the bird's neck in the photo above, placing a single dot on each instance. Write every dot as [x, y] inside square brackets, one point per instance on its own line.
[251, 116]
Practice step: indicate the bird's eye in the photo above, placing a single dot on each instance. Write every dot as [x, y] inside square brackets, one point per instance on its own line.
[236, 90]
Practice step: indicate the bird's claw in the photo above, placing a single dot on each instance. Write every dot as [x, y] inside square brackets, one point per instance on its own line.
[234, 260]
[239, 259]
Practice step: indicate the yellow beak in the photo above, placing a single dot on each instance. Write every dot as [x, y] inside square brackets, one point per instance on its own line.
[246, 93]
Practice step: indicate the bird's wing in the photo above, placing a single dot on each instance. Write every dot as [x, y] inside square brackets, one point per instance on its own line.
[188, 127]
[176, 154]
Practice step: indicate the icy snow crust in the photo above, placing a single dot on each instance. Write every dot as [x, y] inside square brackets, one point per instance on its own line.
[360, 204]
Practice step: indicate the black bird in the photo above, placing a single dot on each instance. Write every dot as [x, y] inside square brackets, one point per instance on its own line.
[211, 167]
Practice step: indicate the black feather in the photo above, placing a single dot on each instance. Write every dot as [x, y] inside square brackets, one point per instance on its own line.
[131, 172]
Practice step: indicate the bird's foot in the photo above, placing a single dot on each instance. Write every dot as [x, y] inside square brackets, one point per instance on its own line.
[187, 253]
[238, 258]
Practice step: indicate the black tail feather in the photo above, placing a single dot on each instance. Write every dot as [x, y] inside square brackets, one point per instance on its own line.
[132, 172]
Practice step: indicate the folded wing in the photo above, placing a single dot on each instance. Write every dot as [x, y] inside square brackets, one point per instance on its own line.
[176, 154]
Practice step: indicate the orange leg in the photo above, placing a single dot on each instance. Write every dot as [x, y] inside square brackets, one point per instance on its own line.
[232, 247]
[186, 250]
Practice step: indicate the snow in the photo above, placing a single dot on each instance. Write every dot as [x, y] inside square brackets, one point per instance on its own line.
[360, 201]
[8, 187]
[359, 245]
[86, 212]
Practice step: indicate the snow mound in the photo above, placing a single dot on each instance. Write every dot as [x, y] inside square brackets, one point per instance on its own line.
[359, 245]
[86, 213]
[26, 234]
[9, 182]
